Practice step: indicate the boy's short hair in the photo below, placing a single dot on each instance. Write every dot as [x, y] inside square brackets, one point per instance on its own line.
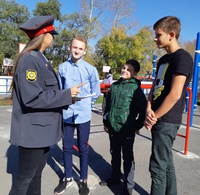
[80, 38]
[168, 24]
[135, 64]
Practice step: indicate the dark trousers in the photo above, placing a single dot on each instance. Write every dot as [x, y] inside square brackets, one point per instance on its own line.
[83, 131]
[122, 143]
[31, 163]
[161, 162]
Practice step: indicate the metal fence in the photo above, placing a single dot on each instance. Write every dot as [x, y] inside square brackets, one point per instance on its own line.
[5, 82]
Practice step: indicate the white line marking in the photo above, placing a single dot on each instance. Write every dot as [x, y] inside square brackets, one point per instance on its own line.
[189, 155]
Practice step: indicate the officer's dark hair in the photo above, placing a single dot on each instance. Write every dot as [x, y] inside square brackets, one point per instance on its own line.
[33, 44]
[135, 64]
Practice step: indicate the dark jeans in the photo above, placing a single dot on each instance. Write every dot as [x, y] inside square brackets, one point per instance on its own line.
[122, 143]
[83, 131]
[161, 162]
[31, 163]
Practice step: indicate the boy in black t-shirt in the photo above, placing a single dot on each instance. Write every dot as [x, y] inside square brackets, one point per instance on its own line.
[166, 103]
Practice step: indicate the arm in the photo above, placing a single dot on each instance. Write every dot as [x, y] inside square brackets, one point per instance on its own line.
[74, 90]
[107, 108]
[140, 102]
[41, 91]
[150, 119]
[170, 100]
[95, 84]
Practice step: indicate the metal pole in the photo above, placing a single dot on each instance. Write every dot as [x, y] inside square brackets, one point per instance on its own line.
[154, 67]
[195, 79]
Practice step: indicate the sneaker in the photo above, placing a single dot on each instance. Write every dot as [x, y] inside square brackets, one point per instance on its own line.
[83, 188]
[109, 182]
[62, 186]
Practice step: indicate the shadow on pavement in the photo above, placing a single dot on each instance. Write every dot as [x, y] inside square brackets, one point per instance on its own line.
[56, 157]
[12, 161]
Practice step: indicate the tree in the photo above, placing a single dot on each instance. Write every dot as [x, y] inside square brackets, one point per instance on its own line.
[190, 46]
[111, 50]
[12, 15]
[51, 7]
[92, 10]
[144, 48]
[122, 11]
[117, 47]
[114, 12]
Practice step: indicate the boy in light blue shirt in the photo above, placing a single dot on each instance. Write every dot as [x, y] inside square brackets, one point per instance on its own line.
[78, 115]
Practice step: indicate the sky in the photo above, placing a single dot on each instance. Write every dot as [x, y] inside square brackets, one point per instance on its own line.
[147, 12]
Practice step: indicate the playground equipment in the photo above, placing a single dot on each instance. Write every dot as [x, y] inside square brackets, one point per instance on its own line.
[195, 79]
[154, 66]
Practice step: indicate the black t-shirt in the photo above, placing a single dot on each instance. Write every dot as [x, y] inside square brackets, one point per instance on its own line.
[179, 63]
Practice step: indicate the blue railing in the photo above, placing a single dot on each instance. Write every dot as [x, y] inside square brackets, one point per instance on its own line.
[5, 82]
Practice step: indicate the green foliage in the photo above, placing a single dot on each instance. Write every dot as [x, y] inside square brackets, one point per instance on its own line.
[99, 100]
[113, 49]
[190, 47]
[51, 7]
[12, 15]
[117, 47]
[144, 48]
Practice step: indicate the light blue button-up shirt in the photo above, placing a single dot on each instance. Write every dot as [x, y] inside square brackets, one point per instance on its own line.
[70, 75]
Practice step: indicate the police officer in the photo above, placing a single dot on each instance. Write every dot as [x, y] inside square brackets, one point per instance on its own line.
[37, 106]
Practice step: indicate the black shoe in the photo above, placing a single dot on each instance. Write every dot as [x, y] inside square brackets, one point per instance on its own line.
[62, 186]
[83, 188]
[128, 191]
[109, 182]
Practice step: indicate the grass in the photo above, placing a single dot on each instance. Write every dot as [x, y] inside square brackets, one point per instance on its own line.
[99, 100]
[5, 102]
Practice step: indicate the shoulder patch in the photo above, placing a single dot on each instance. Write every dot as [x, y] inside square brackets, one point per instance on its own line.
[31, 75]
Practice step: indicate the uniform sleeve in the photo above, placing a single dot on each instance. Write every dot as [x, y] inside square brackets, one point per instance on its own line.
[36, 92]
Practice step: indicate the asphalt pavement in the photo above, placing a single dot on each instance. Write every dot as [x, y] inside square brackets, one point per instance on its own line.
[187, 166]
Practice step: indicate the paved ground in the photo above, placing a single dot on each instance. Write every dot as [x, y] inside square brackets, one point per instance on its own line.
[187, 166]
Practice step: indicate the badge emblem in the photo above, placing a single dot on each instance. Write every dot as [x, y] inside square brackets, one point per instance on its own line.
[31, 75]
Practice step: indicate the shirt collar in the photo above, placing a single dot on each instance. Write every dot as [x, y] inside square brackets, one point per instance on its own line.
[77, 63]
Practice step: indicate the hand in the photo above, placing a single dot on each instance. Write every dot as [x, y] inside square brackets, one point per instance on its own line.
[148, 127]
[75, 90]
[150, 119]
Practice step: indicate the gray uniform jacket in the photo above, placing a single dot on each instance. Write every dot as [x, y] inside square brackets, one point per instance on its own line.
[37, 103]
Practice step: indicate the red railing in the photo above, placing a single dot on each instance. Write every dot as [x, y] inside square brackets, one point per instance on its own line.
[187, 133]
[105, 87]
[76, 148]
